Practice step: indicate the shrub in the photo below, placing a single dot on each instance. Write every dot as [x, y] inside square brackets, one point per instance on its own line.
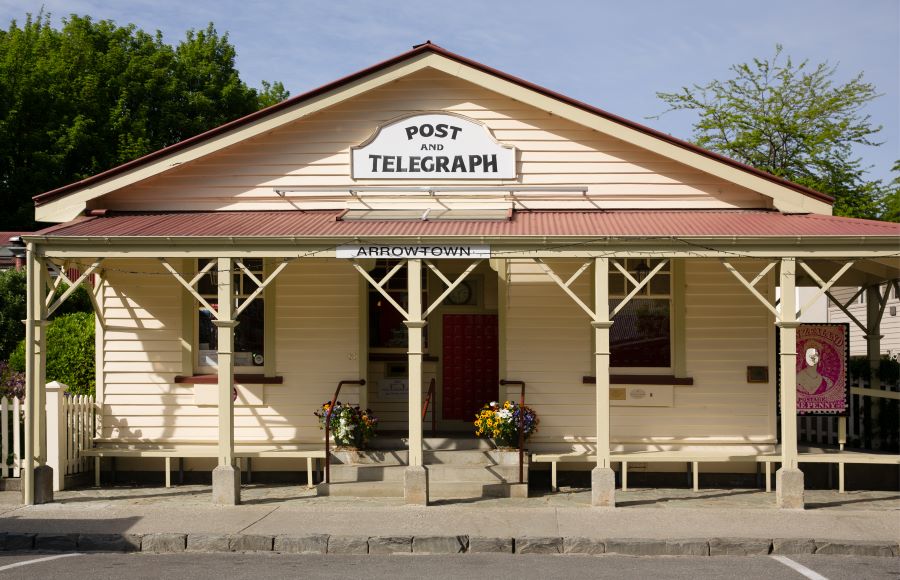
[70, 352]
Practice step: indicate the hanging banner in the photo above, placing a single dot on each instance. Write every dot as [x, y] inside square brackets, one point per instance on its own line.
[433, 146]
[823, 351]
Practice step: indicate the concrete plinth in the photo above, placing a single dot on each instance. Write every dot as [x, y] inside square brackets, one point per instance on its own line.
[789, 489]
[43, 484]
[603, 487]
[226, 485]
[415, 486]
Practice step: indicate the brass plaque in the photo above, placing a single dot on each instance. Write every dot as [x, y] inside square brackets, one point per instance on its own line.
[617, 394]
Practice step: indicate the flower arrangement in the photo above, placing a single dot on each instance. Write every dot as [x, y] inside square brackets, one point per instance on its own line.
[501, 422]
[349, 425]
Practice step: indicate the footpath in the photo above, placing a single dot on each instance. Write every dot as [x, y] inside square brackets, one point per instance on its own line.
[290, 519]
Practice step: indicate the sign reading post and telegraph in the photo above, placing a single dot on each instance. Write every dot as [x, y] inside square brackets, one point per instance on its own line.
[433, 146]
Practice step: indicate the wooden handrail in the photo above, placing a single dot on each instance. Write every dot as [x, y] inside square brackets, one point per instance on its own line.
[505, 382]
[428, 398]
[337, 392]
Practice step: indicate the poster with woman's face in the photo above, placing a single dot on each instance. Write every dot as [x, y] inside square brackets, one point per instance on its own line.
[822, 369]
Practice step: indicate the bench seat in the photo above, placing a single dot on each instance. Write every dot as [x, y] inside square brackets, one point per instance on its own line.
[310, 451]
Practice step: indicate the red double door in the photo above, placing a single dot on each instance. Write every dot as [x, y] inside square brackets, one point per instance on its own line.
[471, 364]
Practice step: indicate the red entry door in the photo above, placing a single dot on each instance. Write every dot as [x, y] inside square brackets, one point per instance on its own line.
[471, 365]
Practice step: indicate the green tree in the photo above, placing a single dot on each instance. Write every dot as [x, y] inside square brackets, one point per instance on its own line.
[70, 352]
[793, 121]
[13, 311]
[891, 211]
[92, 95]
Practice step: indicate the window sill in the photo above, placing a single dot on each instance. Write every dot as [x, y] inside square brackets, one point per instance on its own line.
[642, 380]
[211, 379]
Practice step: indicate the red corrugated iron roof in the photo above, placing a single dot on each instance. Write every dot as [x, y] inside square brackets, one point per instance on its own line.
[590, 223]
[49, 196]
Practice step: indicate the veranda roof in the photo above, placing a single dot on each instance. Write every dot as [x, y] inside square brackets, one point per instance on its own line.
[531, 223]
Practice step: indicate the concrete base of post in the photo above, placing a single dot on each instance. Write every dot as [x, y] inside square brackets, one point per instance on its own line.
[789, 489]
[43, 484]
[603, 487]
[226, 485]
[415, 485]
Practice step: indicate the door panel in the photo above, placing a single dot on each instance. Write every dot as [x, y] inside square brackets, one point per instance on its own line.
[471, 364]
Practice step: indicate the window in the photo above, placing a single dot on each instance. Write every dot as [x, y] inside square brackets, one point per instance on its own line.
[641, 333]
[249, 335]
[386, 328]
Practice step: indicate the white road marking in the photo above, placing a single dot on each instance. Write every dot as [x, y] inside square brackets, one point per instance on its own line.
[27, 562]
[811, 574]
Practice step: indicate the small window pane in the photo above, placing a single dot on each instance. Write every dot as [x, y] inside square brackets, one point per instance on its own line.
[659, 284]
[639, 336]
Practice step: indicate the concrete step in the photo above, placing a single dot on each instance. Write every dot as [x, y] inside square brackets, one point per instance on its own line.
[436, 473]
[361, 489]
[450, 442]
[438, 491]
[441, 457]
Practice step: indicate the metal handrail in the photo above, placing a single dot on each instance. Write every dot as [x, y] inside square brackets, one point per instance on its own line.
[337, 392]
[428, 398]
[505, 382]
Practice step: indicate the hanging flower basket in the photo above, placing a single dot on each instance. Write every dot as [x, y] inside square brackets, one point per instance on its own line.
[350, 426]
[500, 422]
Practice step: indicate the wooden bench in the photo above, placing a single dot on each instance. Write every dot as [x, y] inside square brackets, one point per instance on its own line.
[695, 458]
[806, 455]
[310, 451]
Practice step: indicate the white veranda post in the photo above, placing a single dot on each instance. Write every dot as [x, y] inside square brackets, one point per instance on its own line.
[788, 479]
[416, 481]
[602, 478]
[226, 477]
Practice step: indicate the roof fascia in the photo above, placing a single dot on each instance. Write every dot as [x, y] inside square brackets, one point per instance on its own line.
[784, 198]
[73, 204]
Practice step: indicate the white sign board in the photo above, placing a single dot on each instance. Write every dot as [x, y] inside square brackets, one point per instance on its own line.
[433, 146]
[393, 389]
[413, 251]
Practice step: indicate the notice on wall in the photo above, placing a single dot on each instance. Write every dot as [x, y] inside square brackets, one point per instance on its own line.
[393, 389]
[822, 355]
[433, 146]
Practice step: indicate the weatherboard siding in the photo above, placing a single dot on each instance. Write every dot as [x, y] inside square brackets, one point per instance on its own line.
[549, 345]
[315, 151]
[316, 345]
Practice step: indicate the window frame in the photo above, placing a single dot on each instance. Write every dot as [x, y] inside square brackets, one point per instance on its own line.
[192, 312]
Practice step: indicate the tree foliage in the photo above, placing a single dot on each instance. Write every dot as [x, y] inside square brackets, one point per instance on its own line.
[70, 352]
[13, 293]
[793, 121]
[91, 95]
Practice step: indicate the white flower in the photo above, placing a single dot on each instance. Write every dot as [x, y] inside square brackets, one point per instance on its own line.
[505, 414]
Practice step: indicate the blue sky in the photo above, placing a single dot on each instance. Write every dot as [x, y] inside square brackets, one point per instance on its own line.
[613, 55]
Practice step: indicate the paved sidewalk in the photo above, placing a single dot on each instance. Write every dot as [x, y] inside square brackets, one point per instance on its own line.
[271, 511]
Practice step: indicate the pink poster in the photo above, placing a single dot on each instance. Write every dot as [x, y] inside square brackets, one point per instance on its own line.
[822, 353]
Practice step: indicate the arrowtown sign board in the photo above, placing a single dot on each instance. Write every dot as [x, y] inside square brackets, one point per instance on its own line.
[413, 251]
[433, 146]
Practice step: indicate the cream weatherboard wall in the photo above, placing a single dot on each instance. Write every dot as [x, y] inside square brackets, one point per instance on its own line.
[316, 313]
[549, 346]
[315, 151]
[890, 322]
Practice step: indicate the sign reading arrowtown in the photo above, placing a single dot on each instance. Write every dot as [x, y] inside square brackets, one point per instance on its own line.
[413, 251]
[433, 146]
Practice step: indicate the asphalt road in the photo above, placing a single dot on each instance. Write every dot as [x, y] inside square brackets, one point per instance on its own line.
[498, 567]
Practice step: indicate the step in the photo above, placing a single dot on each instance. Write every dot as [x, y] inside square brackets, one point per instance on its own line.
[436, 473]
[441, 457]
[462, 441]
[447, 490]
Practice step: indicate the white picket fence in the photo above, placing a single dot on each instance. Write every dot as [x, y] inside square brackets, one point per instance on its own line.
[11, 443]
[71, 424]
